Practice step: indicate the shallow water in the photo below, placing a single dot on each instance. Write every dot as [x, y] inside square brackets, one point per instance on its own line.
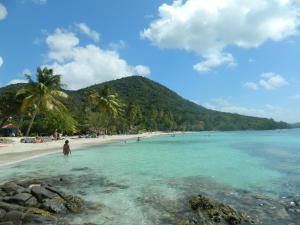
[149, 182]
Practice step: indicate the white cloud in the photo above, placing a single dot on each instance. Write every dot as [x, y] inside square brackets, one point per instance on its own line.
[3, 12]
[117, 45]
[141, 70]
[209, 27]
[81, 66]
[268, 81]
[94, 35]
[1, 61]
[17, 81]
[272, 81]
[62, 40]
[39, 2]
[213, 61]
[266, 111]
[251, 85]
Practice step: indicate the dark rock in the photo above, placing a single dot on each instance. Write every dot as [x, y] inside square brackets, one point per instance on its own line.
[11, 187]
[294, 210]
[73, 203]
[6, 223]
[39, 212]
[189, 222]
[32, 218]
[54, 190]
[26, 183]
[41, 193]
[18, 198]
[2, 213]
[55, 205]
[2, 193]
[11, 207]
[31, 202]
[211, 211]
[14, 216]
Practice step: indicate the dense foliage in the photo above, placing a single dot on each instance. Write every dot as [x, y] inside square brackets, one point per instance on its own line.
[42, 95]
[146, 105]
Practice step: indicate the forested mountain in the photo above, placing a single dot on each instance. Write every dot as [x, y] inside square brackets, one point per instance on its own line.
[154, 106]
[295, 125]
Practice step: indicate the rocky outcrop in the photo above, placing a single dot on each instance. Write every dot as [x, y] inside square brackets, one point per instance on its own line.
[34, 202]
[211, 212]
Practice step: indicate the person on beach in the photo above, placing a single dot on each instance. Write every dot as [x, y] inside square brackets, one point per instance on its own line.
[55, 135]
[66, 148]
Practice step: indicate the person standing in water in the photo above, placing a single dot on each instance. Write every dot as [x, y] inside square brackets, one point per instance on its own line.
[66, 148]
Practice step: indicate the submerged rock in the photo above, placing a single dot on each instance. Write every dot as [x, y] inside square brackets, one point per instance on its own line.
[209, 212]
[73, 203]
[55, 205]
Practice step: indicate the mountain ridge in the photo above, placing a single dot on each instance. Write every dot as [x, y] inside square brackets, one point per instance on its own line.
[160, 105]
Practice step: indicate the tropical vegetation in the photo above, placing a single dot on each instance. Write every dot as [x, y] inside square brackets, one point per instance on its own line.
[44, 94]
[127, 105]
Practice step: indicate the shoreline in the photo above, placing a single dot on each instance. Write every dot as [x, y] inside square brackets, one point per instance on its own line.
[18, 152]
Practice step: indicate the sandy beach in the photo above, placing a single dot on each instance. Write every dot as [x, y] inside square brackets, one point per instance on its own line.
[17, 151]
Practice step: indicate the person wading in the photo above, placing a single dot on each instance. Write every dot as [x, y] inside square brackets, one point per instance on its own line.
[66, 148]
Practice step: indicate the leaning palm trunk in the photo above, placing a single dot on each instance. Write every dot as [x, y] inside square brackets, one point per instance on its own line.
[31, 122]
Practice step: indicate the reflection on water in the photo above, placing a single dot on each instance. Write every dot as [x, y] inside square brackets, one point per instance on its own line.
[150, 182]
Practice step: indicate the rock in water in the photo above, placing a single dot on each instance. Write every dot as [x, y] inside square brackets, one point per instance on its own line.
[2, 213]
[210, 211]
[19, 199]
[32, 202]
[55, 205]
[73, 203]
[14, 216]
[11, 187]
[6, 223]
[41, 193]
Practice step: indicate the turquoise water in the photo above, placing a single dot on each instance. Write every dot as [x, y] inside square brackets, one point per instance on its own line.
[141, 182]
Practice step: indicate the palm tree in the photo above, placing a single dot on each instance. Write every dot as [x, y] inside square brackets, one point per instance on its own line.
[45, 93]
[107, 103]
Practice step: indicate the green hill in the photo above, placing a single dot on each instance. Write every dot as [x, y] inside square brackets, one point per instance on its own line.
[295, 125]
[161, 108]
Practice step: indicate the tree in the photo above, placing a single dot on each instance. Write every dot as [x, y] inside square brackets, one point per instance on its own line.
[134, 114]
[107, 103]
[61, 121]
[44, 93]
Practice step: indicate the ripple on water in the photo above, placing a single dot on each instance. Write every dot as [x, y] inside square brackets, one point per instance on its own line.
[151, 182]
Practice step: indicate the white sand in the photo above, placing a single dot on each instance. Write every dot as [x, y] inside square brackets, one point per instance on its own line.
[17, 152]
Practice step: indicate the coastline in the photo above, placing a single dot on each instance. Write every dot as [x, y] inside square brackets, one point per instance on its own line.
[18, 152]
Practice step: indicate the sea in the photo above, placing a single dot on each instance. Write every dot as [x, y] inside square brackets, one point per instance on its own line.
[151, 181]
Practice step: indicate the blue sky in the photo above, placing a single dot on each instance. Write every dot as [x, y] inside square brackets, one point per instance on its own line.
[232, 55]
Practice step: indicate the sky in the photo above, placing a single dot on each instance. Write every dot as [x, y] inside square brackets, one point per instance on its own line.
[239, 56]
